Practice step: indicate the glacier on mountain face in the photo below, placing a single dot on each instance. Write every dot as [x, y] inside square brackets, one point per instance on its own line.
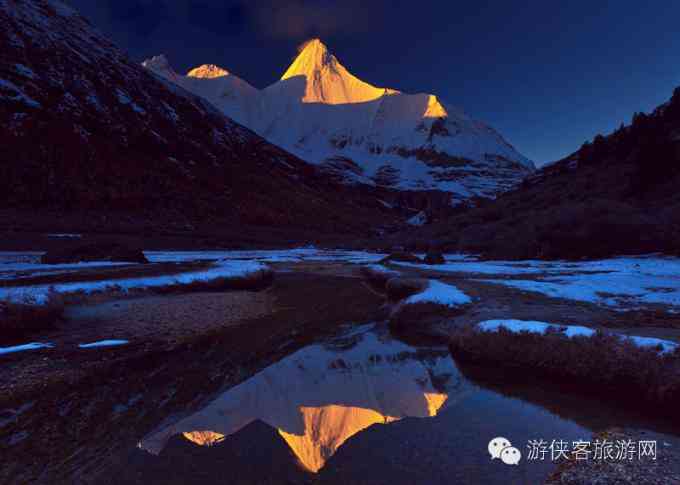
[361, 133]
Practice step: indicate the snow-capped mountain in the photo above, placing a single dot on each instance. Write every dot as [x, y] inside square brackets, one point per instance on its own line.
[227, 92]
[359, 132]
[104, 144]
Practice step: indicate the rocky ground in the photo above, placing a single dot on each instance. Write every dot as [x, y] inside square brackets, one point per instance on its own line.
[58, 405]
[659, 469]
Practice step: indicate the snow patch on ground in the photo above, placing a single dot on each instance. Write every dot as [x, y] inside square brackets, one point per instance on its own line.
[124, 98]
[623, 283]
[103, 343]
[439, 293]
[464, 265]
[25, 347]
[616, 289]
[418, 220]
[666, 345]
[519, 326]
[39, 294]
[18, 95]
[5, 84]
[24, 71]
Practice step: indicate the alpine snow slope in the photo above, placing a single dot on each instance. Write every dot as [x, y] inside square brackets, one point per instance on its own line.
[91, 141]
[358, 132]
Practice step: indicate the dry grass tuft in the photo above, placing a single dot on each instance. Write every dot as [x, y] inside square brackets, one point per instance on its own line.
[19, 318]
[614, 366]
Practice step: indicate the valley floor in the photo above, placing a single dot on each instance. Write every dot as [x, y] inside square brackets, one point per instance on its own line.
[67, 411]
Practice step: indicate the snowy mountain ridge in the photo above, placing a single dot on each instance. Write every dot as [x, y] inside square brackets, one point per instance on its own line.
[358, 132]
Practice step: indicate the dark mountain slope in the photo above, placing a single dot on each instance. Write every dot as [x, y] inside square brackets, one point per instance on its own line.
[92, 141]
[619, 194]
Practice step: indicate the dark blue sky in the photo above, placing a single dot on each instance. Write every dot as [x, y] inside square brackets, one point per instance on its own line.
[547, 74]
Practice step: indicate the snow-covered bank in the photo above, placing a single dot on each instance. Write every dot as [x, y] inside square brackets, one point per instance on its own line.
[39, 294]
[519, 326]
[440, 294]
[432, 303]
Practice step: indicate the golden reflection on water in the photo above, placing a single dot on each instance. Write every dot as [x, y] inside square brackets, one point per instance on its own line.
[317, 405]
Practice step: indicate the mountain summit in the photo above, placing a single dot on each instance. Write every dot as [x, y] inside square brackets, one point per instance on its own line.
[313, 56]
[360, 133]
[327, 81]
[208, 71]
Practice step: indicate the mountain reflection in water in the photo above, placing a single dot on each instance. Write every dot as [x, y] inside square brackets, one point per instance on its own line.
[320, 396]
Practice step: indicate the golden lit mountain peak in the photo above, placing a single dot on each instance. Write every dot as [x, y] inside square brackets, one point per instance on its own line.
[326, 80]
[313, 56]
[208, 71]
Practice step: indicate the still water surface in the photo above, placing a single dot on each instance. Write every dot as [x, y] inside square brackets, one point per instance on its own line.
[367, 408]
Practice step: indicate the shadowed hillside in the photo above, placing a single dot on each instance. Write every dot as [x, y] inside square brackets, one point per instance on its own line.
[616, 195]
[94, 142]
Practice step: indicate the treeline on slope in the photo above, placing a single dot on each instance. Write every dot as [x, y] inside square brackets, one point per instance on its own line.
[616, 195]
